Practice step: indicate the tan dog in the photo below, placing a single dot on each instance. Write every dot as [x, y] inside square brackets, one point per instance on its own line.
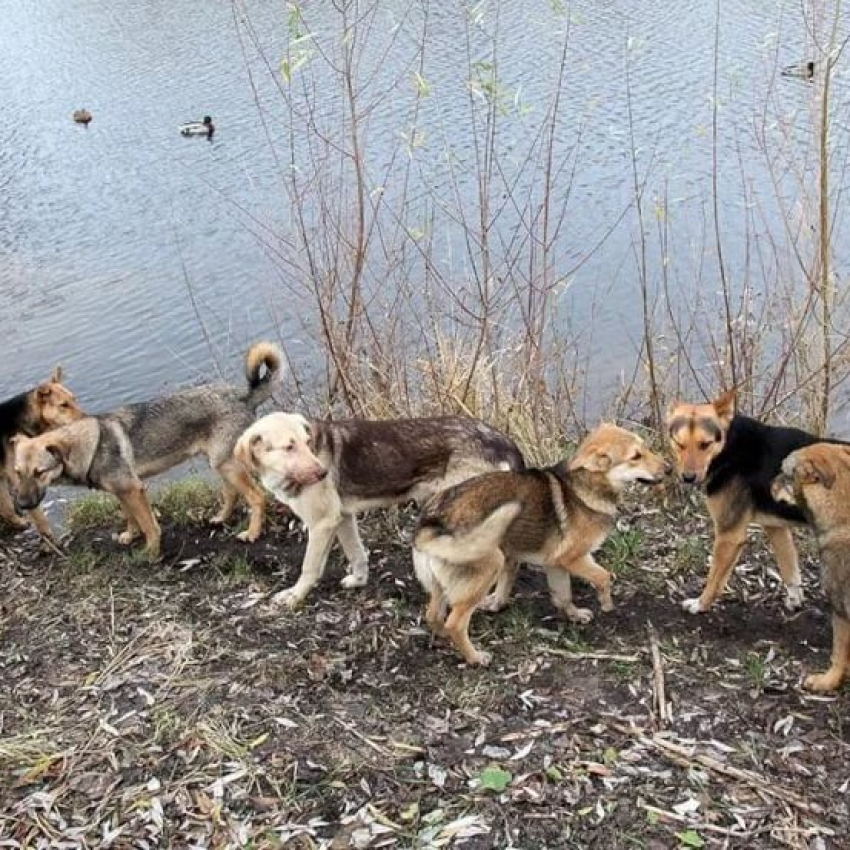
[817, 480]
[35, 411]
[554, 518]
[736, 458]
[93, 452]
[327, 472]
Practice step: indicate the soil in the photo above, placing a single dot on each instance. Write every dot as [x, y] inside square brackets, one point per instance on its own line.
[171, 704]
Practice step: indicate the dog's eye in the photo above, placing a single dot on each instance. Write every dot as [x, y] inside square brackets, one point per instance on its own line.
[637, 455]
[704, 445]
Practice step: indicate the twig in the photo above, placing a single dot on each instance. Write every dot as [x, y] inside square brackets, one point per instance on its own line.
[589, 656]
[688, 758]
[659, 699]
[368, 741]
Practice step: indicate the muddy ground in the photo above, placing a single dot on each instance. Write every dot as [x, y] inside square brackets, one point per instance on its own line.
[170, 705]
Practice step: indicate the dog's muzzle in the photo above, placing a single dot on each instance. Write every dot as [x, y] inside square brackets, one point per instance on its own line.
[27, 503]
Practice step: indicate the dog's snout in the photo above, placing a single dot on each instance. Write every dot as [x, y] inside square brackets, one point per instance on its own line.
[321, 473]
[689, 477]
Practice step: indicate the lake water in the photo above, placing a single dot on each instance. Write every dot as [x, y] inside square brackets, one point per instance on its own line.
[142, 260]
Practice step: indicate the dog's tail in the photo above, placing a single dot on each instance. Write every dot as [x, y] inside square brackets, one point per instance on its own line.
[260, 382]
[462, 546]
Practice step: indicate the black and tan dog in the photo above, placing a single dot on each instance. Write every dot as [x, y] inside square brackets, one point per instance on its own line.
[35, 411]
[328, 471]
[113, 450]
[816, 480]
[555, 518]
[736, 458]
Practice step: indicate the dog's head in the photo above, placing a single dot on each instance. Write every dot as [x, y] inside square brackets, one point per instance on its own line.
[54, 403]
[36, 463]
[697, 434]
[619, 455]
[808, 477]
[278, 449]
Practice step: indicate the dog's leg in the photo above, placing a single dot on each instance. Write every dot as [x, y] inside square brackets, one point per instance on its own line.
[586, 568]
[728, 543]
[319, 541]
[561, 592]
[358, 558]
[438, 608]
[229, 497]
[832, 678]
[497, 600]
[425, 566]
[41, 522]
[782, 542]
[135, 503]
[465, 592]
[7, 509]
[236, 478]
[131, 532]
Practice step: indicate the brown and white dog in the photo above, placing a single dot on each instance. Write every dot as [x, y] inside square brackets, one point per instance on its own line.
[33, 412]
[328, 471]
[474, 534]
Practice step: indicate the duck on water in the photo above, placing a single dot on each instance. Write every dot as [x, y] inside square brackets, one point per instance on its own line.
[198, 128]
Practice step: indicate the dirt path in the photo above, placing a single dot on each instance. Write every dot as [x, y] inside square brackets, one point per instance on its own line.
[168, 705]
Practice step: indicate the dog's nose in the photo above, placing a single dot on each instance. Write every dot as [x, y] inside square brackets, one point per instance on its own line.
[689, 477]
[321, 474]
[668, 467]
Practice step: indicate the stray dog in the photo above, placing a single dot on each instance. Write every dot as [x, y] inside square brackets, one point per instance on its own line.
[35, 411]
[114, 450]
[737, 458]
[817, 480]
[469, 536]
[326, 472]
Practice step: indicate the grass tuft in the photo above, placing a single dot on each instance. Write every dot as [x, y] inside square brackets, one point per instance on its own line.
[186, 502]
[92, 511]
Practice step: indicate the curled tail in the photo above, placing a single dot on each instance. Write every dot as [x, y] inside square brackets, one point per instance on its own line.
[260, 383]
[469, 544]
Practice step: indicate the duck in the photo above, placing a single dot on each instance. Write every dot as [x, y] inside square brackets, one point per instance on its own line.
[806, 70]
[198, 128]
[82, 116]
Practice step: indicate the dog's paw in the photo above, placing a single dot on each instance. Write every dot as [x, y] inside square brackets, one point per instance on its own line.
[492, 603]
[480, 658]
[246, 536]
[289, 598]
[125, 538]
[793, 596]
[354, 580]
[822, 682]
[693, 606]
[578, 615]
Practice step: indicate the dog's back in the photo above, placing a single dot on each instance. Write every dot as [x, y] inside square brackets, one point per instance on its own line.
[397, 458]
[474, 516]
[753, 454]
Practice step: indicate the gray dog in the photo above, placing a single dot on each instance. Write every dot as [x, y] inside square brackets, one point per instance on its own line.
[114, 450]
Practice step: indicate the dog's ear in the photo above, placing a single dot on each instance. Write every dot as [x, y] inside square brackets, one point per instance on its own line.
[57, 450]
[244, 450]
[671, 409]
[56, 377]
[593, 459]
[816, 471]
[725, 406]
